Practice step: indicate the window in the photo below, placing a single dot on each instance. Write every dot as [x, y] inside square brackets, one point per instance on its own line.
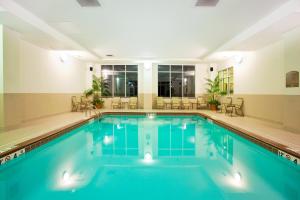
[226, 80]
[122, 79]
[176, 81]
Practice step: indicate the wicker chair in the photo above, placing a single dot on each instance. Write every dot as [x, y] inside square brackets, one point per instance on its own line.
[201, 103]
[75, 104]
[85, 105]
[227, 101]
[133, 102]
[175, 103]
[236, 107]
[185, 104]
[116, 103]
[160, 104]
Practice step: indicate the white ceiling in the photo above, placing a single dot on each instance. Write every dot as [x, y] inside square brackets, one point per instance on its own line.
[146, 29]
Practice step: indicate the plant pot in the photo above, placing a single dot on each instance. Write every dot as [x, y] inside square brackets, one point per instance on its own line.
[99, 105]
[213, 107]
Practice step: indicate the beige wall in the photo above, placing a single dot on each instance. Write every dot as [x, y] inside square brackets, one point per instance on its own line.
[291, 113]
[31, 69]
[1, 78]
[267, 107]
[37, 82]
[260, 80]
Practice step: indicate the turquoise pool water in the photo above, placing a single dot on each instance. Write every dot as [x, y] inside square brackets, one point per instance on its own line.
[136, 157]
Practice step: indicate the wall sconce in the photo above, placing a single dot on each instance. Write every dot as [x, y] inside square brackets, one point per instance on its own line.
[63, 58]
[147, 65]
[238, 59]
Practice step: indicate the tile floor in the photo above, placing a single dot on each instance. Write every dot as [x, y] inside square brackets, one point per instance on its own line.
[32, 129]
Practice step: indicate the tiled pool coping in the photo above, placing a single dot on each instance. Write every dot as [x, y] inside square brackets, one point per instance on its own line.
[272, 146]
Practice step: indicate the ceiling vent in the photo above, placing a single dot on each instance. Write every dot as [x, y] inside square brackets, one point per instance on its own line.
[207, 3]
[89, 3]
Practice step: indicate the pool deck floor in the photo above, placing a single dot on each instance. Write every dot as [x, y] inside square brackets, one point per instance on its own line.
[35, 128]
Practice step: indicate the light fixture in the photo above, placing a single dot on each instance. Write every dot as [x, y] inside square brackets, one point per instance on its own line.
[63, 58]
[107, 140]
[150, 115]
[66, 177]
[183, 127]
[237, 177]
[238, 59]
[147, 157]
[192, 139]
[119, 126]
[147, 65]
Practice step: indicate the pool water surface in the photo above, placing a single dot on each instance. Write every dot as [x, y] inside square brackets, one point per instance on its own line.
[149, 157]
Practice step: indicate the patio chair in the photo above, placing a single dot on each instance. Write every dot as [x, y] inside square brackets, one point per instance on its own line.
[236, 107]
[160, 104]
[133, 102]
[168, 103]
[239, 105]
[85, 105]
[116, 103]
[185, 104]
[227, 101]
[75, 104]
[201, 103]
[175, 103]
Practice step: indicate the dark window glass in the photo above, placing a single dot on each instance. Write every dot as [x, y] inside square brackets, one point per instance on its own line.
[163, 68]
[164, 84]
[132, 68]
[106, 67]
[115, 76]
[131, 84]
[119, 84]
[176, 68]
[181, 80]
[176, 84]
[188, 68]
[119, 67]
[189, 84]
[107, 76]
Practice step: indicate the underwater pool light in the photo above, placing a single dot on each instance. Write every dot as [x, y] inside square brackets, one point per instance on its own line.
[119, 126]
[237, 177]
[151, 115]
[66, 177]
[183, 126]
[107, 140]
[148, 157]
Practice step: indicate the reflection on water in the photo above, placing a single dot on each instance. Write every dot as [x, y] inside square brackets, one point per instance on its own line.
[153, 157]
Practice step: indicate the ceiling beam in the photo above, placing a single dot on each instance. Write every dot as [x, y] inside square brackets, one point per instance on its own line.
[28, 17]
[285, 10]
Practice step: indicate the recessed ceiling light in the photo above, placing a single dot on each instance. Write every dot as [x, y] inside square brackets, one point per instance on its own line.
[89, 3]
[206, 3]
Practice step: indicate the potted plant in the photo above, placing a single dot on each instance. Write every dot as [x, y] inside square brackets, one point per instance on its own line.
[214, 92]
[99, 88]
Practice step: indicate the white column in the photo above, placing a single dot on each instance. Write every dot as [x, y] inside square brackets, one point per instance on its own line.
[147, 84]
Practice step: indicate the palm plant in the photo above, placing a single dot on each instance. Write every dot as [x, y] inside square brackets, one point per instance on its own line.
[99, 88]
[213, 91]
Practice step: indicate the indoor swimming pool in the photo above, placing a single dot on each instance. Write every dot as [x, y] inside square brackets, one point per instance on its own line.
[149, 157]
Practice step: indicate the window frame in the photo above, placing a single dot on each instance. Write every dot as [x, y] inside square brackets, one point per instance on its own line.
[229, 77]
[113, 72]
[170, 72]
